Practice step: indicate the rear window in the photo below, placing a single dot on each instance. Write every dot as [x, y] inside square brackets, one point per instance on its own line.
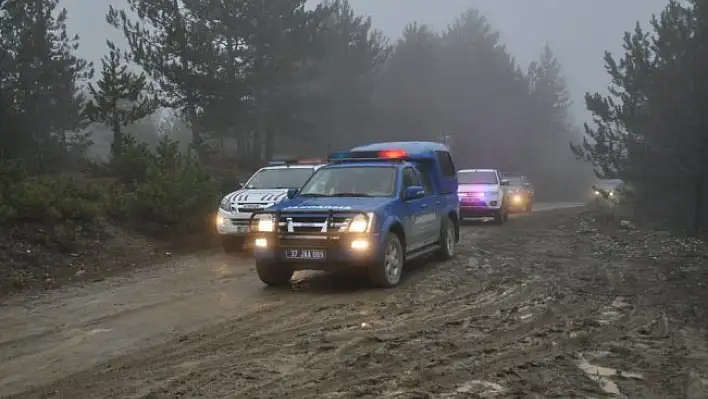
[478, 177]
[446, 164]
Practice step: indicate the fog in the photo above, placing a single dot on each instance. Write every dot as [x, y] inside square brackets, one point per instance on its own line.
[502, 82]
[578, 31]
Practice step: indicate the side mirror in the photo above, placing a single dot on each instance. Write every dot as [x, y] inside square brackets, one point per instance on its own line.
[504, 183]
[292, 193]
[413, 192]
[239, 185]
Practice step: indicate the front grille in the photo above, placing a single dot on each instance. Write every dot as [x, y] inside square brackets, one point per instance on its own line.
[249, 210]
[310, 223]
[240, 222]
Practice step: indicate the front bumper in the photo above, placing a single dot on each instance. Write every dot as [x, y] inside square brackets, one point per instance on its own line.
[232, 224]
[479, 206]
[338, 250]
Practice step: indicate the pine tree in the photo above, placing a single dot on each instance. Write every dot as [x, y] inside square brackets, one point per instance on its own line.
[170, 43]
[351, 58]
[409, 84]
[119, 98]
[651, 130]
[40, 77]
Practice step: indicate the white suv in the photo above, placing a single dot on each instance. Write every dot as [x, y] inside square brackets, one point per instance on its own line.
[268, 186]
[482, 194]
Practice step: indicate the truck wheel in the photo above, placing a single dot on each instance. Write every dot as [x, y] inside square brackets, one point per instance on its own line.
[499, 216]
[274, 273]
[232, 244]
[386, 273]
[447, 240]
[505, 213]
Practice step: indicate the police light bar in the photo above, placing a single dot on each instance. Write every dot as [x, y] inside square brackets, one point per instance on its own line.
[369, 155]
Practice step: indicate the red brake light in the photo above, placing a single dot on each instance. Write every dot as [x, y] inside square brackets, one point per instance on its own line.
[393, 154]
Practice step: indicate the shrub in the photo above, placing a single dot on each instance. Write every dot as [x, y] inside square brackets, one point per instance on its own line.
[165, 193]
[177, 195]
[45, 199]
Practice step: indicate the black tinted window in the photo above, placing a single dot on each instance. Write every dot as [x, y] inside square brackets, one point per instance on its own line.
[448, 167]
[427, 182]
[410, 178]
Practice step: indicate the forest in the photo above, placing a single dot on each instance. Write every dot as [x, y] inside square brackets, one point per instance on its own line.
[205, 92]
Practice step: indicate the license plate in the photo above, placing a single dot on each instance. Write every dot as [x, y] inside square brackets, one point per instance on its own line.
[470, 200]
[306, 254]
[242, 229]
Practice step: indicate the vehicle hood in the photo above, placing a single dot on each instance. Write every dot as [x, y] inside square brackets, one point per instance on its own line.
[364, 204]
[258, 195]
[477, 188]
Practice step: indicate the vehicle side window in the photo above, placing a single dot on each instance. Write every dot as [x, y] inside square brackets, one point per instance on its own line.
[446, 164]
[410, 178]
[427, 182]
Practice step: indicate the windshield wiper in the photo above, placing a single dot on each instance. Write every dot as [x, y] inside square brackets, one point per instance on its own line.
[313, 195]
[350, 195]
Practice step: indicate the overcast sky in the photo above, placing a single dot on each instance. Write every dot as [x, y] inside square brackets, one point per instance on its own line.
[579, 31]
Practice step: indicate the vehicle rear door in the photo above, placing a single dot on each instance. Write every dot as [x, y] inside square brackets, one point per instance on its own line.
[433, 203]
[417, 212]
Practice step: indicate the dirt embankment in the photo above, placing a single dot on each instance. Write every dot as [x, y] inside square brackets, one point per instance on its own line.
[551, 305]
[37, 257]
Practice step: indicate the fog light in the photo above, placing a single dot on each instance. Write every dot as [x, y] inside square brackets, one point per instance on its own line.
[261, 243]
[219, 221]
[360, 244]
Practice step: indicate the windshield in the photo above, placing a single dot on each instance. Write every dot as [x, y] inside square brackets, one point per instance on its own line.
[515, 181]
[477, 177]
[368, 181]
[279, 178]
[608, 184]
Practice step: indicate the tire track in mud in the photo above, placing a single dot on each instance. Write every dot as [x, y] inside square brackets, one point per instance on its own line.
[489, 321]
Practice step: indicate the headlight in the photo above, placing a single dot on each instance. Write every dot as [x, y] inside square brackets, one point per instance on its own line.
[225, 204]
[359, 224]
[265, 223]
[597, 192]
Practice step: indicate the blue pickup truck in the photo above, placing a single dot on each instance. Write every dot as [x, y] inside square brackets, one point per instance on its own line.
[374, 208]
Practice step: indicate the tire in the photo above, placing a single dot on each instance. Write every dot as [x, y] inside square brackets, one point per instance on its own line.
[274, 273]
[505, 213]
[386, 273]
[499, 217]
[529, 205]
[232, 244]
[447, 240]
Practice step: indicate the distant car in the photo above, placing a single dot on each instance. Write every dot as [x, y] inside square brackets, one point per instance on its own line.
[373, 208]
[520, 192]
[482, 194]
[607, 190]
[266, 187]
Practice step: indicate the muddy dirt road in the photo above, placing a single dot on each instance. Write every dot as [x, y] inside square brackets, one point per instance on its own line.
[529, 308]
